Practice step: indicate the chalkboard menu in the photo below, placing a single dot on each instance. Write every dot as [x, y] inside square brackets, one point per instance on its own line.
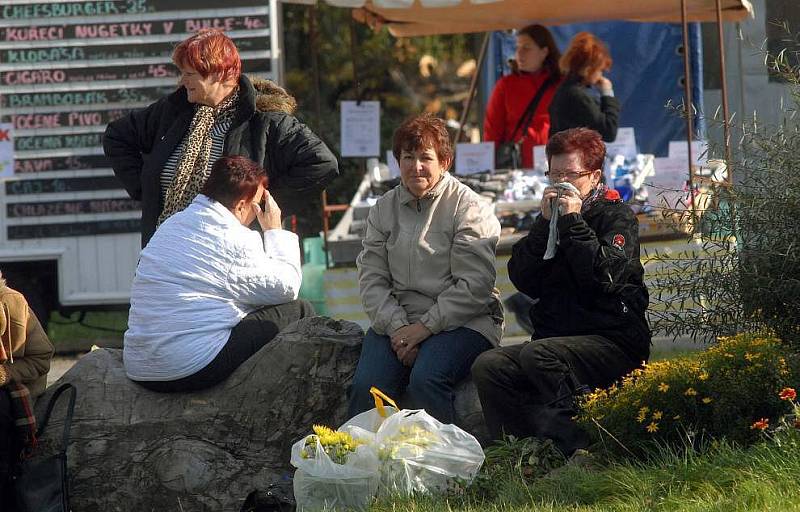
[68, 68]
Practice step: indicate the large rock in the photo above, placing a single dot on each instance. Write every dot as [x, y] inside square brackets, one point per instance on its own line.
[133, 449]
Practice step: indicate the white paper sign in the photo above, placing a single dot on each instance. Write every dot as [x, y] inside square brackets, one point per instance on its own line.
[539, 158]
[6, 149]
[671, 174]
[667, 189]
[624, 144]
[678, 149]
[394, 165]
[361, 135]
[472, 158]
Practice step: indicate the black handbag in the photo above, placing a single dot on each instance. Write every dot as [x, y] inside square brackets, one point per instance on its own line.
[42, 485]
[508, 155]
[277, 498]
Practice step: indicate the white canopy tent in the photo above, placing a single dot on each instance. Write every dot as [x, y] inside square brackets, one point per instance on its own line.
[426, 17]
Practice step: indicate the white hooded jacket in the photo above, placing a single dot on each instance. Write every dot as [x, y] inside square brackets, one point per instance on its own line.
[201, 273]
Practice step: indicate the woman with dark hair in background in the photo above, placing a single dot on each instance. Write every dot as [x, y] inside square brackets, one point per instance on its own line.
[534, 68]
[209, 292]
[583, 65]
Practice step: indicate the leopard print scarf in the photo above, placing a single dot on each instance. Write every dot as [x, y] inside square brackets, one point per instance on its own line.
[193, 168]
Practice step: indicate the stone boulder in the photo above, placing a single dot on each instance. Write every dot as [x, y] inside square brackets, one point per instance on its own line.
[133, 449]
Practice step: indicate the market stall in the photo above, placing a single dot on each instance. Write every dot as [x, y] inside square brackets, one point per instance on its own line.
[513, 192]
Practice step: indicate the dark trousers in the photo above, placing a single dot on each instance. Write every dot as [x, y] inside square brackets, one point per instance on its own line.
[248, 337]
[528, 389]
[9, 452]
[443, 361]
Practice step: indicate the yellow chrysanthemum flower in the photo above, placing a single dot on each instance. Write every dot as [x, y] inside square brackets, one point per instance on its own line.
[336, 444]
[690, 392]
[707, 400]
[663, 387]
[652, 427]
[657, 415]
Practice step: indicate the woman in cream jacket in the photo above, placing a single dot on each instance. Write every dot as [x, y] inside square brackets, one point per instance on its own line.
[427, 279]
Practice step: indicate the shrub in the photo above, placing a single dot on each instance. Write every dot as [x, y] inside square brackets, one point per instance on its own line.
[719, 392]
[747, 277]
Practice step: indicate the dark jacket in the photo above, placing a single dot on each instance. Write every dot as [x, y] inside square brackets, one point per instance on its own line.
[594, 284]
[574, 107]
[263, 130]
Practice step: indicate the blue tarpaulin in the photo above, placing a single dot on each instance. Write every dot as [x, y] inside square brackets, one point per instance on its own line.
[647, 73]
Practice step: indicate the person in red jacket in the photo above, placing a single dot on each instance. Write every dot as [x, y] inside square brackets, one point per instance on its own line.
[536, 61]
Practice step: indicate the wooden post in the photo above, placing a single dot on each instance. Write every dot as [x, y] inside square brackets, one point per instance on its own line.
[724, 78]
[687, 107]
[472, 88]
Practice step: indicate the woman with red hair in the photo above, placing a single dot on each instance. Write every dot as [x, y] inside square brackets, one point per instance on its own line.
[583, 65]
[580, 263]
[163, 154]
[427, 279]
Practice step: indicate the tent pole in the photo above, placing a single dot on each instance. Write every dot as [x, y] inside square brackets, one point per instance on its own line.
[723, 76]
[687, 106]
[353, 57]
[313, 36]
[472, 88]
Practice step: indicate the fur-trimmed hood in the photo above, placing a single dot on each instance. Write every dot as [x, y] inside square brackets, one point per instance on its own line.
[256, 95]
[271, 97]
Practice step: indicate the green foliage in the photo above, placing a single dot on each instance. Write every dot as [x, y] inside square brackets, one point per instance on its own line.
[720, 477]
[717, 393]
[529, 458]
[390, 70]
[746, 276]
[101, 328]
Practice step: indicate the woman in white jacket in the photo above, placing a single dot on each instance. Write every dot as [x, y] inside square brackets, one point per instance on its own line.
[427, 279]
[209, 292]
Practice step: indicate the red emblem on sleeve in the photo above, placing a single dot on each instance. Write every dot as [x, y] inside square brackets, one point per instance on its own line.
[612, 195]
[619, 241]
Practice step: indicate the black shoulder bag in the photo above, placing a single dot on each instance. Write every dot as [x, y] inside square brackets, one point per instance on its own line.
[42, 486]
[277, 498]
[508, 155]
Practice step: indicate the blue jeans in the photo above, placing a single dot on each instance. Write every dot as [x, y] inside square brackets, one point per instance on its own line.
[443, 361]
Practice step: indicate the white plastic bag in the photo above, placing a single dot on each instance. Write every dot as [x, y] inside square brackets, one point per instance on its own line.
[419, 454]
[405, 452]
[320, 483]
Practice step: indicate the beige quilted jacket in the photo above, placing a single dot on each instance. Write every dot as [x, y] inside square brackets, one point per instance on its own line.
[432, 260]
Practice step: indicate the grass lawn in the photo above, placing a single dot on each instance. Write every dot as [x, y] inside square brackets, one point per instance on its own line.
[763, 477]
[99, 328]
